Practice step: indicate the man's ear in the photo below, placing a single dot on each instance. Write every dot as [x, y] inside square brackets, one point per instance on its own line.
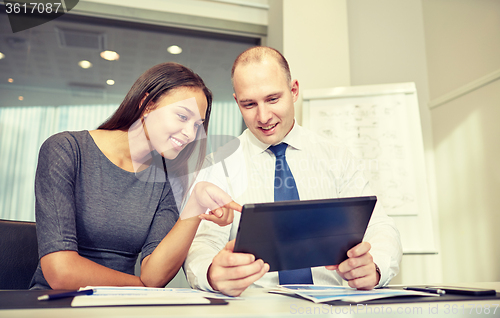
[236, 99]
[295, 90]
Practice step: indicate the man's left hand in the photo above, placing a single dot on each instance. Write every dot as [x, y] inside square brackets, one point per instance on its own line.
[358, 270]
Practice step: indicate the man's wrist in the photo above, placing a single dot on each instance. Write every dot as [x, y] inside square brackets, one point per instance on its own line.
[377, 271]
[208, 278]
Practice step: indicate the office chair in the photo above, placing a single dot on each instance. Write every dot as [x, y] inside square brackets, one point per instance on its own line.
[18, 254]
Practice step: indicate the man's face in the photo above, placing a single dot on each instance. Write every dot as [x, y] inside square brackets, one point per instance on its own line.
[265, 99]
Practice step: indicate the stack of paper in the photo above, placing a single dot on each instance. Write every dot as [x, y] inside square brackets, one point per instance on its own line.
[123, 296]
[320, 294]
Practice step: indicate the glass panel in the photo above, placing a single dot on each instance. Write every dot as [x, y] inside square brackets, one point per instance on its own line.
[44, 90]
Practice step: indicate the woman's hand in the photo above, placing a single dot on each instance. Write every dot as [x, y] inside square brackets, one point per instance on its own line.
[222, 216]
[209, 196]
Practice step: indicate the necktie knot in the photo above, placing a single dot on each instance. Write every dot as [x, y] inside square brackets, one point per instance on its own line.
[279, 150]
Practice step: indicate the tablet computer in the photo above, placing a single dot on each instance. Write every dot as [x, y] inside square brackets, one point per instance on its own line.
[299, 234]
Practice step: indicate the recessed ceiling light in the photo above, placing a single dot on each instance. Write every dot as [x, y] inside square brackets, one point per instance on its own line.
[110, 55]
[174, 49]
[2, 55]
[10, 80]
[20, 98]
[110, 82]
[84, 64]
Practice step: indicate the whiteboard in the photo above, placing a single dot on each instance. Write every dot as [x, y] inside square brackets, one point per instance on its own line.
[380, 125]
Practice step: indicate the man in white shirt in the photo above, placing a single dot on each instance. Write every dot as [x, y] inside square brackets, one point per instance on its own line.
[265, 94]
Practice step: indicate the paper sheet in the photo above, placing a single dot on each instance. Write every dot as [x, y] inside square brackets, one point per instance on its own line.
[320, 294]
[128, 296]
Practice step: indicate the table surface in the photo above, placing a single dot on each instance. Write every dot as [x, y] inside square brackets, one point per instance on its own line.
[260, 303]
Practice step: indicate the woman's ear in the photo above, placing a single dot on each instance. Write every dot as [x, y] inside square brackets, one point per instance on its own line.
[148, 107]
[143, 99]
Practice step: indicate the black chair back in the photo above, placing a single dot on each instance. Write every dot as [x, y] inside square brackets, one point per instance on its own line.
[18, 254]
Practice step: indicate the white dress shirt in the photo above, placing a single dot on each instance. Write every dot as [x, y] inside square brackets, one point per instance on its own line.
[321, 170]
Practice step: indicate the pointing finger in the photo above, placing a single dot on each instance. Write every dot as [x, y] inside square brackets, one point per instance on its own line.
[233, 205]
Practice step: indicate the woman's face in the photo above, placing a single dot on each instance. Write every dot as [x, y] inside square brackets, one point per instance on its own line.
[175, 120]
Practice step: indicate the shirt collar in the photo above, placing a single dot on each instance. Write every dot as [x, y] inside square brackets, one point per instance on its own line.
[292, 139]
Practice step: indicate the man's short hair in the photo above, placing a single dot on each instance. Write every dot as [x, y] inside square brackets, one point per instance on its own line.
[258, 54]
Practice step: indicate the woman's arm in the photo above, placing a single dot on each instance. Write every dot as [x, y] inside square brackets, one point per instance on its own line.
[69, 270]
[163, 264]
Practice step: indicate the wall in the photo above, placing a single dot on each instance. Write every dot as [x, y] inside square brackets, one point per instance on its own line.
[463, 44]
[387, 45]
[313, 37]
[444, 46]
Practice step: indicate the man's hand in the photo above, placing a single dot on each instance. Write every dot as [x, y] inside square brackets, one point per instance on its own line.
[231, 273]
[359, 269]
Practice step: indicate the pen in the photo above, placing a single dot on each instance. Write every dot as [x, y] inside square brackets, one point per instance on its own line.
[67, 294]
[427, 290]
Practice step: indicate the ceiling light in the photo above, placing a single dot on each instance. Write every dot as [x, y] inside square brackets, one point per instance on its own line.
[110, 82]
[85, 64]
[174, 49]
[2, 55]
[110, 55]
[20, 98]
[10, 80]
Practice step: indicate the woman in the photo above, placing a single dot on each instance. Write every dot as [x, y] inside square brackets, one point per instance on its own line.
[102, 196]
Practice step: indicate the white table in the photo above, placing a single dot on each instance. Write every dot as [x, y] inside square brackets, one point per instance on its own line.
[259, 303]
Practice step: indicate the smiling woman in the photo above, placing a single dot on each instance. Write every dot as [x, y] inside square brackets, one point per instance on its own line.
[177, 119]
[146, 107]
[106, 195]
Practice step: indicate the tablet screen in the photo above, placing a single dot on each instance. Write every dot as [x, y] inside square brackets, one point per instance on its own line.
[300, 234]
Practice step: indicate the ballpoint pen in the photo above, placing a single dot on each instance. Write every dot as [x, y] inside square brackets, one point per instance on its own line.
[427, 290]
[66, 294]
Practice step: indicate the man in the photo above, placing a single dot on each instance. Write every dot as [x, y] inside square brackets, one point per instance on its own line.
[265, 94]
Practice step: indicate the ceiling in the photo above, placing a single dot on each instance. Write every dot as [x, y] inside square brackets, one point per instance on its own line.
[43, 61]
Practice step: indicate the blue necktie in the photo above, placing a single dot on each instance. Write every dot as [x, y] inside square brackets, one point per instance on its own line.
[285, 188]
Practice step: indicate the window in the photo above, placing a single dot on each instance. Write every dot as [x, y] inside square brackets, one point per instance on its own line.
[53, 78]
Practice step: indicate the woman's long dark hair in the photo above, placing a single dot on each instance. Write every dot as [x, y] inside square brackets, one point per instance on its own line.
[154, 83]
